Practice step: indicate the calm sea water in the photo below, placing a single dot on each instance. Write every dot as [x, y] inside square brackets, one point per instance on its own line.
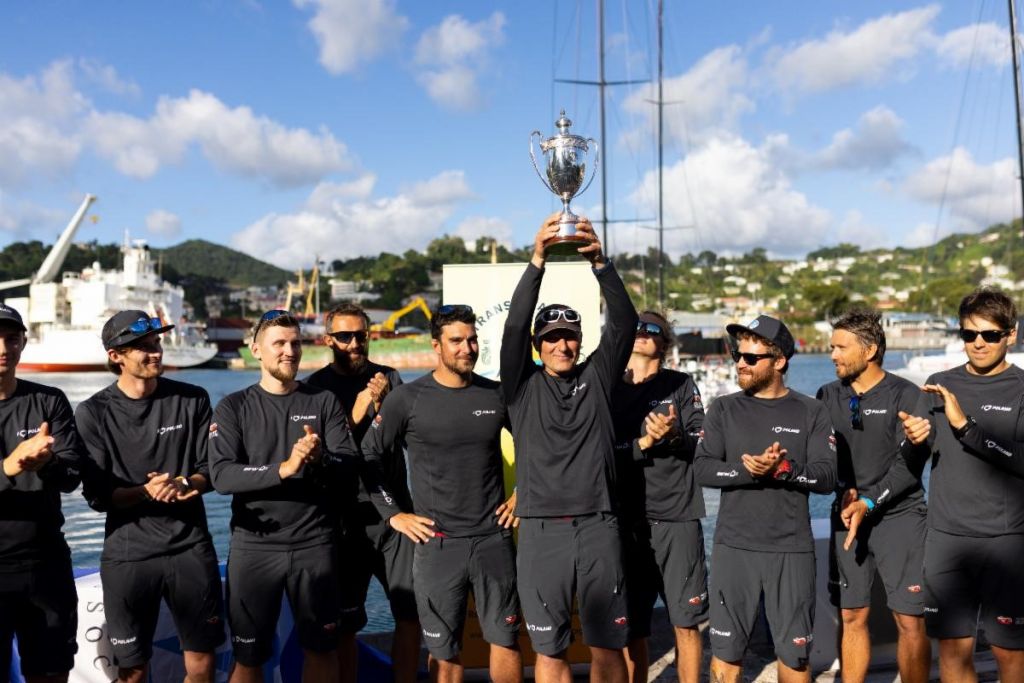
[84, 528]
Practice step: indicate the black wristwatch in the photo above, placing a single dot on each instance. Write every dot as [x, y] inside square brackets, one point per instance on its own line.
[962, 431]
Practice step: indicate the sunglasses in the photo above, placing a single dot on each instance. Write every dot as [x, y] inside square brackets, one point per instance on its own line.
[990, 336]
[855, 420]
[142, 326]
[347, 337]
[552, 315]
[453, 309]
[750, 358]
[650, 329]
[267, 317]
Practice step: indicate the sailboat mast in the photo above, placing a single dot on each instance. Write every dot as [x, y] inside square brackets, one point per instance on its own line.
[1016, 99]
[601, 86]
[661, 156]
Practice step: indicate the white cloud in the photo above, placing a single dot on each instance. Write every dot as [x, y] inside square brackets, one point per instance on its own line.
[976, 195]
[739, 201]
[106, 76]
[473, 227]
[875, 143]
[233, 139]
[163, 223]
[987, 43]
[353, 32]
[335, 228]
[453, 55]
[323, 197]
[22, 219]
[706, 100]
[873, 52]
[855, 230]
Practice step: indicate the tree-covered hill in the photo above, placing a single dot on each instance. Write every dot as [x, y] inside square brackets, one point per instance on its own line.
[202, 259]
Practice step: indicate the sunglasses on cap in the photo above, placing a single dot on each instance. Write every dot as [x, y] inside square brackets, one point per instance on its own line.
[750, 358]
[855, 420]
[453, 309]
[347, 337]
[553, 315]
[142, 326]
[990, 336]
[650, 329]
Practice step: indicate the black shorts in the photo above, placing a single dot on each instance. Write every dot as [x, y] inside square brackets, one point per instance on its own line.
[738, 578]
[561, 556]
[40, 607]
[893, 545]
[444, 570]
[190, 583]
[386, 555]
[971, 581]
[665, 559]
[257, 579]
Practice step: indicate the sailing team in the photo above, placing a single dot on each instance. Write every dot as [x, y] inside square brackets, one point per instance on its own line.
[350, 474]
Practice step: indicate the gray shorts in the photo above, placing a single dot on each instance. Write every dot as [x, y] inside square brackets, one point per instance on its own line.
[562, 556]
[738, 579]
[666, 559]
[895, 546]
[384, 553]
[445, 569]
[975, 581]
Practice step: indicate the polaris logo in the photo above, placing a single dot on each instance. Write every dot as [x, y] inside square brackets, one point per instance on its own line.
[788, 430]
[478, 413]
[987, 407]
[804, 480]
[428, 634]
[297, 418]
[164, 430]
[581, 387]
[655, 403]
[243, 640]
[874, 411]
[22, 433]
[123, 641]
[539, 629]
[996, 447]
[724, 634]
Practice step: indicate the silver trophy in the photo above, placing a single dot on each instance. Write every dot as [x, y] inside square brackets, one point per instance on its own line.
[566, 171]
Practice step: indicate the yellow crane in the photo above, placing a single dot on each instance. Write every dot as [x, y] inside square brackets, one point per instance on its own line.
[388, 326]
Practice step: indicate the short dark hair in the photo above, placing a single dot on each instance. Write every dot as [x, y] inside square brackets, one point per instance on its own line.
[446, 315]
[866, 325]
[286, 320]
[346, 309]
[116, 367]
[992, 305]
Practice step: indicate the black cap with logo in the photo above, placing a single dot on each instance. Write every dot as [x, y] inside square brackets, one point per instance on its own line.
[769, 328]
[126, 327]
[8, 314]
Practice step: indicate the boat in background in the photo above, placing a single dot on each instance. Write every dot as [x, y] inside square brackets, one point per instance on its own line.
[65, 318]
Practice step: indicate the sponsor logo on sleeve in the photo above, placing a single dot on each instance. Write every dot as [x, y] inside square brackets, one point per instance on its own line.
[698, 403]
[987, 407]
[730, 474]
[213, 430]
[700, 436]
[430, 634]
[377, 420]
[997, 448]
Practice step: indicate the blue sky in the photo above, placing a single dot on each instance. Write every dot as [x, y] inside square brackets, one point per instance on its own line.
[350, 127]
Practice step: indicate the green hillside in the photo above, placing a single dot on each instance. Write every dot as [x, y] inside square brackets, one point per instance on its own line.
[202, 259]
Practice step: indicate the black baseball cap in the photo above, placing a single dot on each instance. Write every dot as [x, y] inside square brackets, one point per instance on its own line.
[8, 314]
[556, 317]
[127, 327]
[769, 328]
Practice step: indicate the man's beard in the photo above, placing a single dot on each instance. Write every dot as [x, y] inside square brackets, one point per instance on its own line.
[756, 381]
[282, 375]
[344, 362]
[453, 363]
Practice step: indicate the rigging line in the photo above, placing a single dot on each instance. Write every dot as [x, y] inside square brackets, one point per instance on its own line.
[708, 280]
[928, 255]
[993, 151]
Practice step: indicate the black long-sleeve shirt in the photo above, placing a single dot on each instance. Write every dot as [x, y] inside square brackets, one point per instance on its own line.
[562, 426]
[866, 455]
[389, 471]
[30, 514]
[976, 487]
[766, 514]
[658, 483]
[125, 439]
[252, 433]
[453, 436]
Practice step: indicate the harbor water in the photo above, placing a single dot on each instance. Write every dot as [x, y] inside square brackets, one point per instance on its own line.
[84, 527]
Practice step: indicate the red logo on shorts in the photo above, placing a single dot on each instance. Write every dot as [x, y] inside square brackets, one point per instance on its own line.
[620, 621]
[213, 620]
[379, 418]
[330, 627]
[695, 600]
[511, 619]
[800, 642]
[916, 588]
[1005, 621]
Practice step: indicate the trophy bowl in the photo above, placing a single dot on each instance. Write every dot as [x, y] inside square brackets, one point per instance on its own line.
[564, 176]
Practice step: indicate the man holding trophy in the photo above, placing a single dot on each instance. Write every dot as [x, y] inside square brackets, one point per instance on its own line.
[565, 459]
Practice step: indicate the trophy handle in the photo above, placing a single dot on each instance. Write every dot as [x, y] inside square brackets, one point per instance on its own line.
[597, 157]
[533, 158]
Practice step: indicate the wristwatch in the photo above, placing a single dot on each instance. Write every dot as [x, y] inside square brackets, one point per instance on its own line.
[184, 482]
[962, 431]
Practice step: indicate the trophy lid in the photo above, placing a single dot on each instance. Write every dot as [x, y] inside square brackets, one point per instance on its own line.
[563, 124]
[564, 138]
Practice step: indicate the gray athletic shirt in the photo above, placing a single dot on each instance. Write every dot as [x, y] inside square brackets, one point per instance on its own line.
[252, 433]
[30, 515]
[766, 514]
[453, 437]
[562, 426]
[127, 438]
[976, 487]
[866, 455]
